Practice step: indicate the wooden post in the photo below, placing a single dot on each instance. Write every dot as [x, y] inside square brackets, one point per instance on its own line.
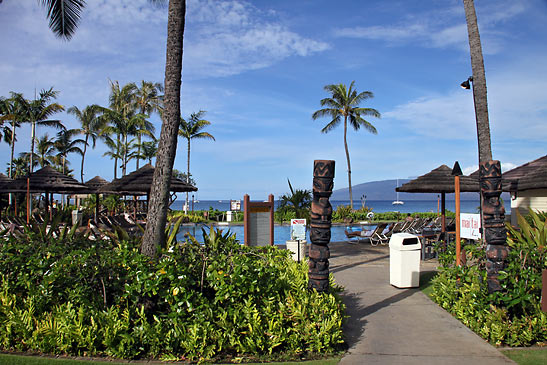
[544, 291]
[458, 239]
[271, 201]
[28, 200]
[246, 230]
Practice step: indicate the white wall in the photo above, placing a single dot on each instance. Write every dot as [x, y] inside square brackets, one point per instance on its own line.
[535, 199]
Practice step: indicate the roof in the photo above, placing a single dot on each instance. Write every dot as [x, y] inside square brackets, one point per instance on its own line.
[5, 181]
[139, 183]
[47, 179]
[531, 175]
[95, 183]
[439, 180]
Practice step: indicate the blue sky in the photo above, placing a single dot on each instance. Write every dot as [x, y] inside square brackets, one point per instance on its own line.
[258, 68]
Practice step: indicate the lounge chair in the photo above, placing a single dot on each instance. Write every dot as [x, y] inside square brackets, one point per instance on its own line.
[384, 236]
[365, 235]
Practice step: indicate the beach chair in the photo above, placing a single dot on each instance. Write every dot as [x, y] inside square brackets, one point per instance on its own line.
[382, 237]
[365, 235]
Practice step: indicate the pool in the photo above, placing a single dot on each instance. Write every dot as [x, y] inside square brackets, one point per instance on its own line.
[281, 233]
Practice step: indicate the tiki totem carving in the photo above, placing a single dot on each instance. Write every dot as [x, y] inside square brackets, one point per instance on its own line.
[321, 214]
[494, 227]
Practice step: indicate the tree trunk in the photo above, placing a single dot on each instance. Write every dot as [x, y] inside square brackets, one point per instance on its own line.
[479, 83]
[124, 166]
[188, 174]
[154, 234]
[138, 149]
[349, 165]
[83, 157]
[10, 172]
[32, 133]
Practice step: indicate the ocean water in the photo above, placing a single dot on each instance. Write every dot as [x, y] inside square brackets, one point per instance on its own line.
[378, 206]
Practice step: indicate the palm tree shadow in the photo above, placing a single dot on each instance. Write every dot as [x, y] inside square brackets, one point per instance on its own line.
[356, 320]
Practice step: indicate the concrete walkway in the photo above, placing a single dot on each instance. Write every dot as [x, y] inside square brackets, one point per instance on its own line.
[388, 325]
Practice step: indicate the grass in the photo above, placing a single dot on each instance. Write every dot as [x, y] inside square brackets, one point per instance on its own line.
[36, 360]
[425, 282]
[536, 356]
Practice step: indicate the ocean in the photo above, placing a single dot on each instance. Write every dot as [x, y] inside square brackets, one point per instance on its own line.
[378, 206]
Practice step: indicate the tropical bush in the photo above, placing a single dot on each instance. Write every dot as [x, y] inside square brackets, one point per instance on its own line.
[512, 317]
[62, 293]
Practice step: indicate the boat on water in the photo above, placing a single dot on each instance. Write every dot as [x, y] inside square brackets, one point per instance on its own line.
[397, 202]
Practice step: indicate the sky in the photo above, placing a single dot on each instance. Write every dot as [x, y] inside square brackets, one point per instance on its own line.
[258, 68]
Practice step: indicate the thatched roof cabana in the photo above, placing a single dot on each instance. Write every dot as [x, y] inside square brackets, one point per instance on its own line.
[439, 180]
[5, 183]
[531, 175]
[139, 183]
[96, 183]
[49, 180]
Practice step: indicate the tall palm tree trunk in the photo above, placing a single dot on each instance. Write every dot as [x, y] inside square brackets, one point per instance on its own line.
[83, 157]
[188, 173]
[479, 83]
[154, 234]
[138, 149]
[10, 172]
[349, 164]
[32, 135]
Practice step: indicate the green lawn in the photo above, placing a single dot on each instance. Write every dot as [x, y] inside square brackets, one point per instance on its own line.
[36, 360]
[425, 282]
[536, 356]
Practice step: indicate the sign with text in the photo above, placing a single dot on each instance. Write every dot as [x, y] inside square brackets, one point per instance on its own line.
[235, 205]
[470, 225]
[298, 229]
[258, 222]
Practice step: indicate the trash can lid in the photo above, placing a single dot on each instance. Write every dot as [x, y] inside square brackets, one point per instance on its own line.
[405, 242]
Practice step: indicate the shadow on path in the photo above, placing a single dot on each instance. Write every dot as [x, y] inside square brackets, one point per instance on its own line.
[355, 324]
[339, 268]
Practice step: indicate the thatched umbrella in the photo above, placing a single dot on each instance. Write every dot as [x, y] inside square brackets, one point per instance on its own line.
[47, 180]
[439, 180]
[139, 182]
[95, 184]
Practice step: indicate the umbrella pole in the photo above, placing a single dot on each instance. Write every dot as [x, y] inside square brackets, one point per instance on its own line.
[135, 208]
[47, 205]
[458, 243]
[96, 207]
[28, 200]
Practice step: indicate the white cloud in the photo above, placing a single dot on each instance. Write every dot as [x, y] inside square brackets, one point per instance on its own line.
[229, 37]
[444, 27]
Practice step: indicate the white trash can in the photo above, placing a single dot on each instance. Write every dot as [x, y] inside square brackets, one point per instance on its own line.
[77, 217]
[293, 247]
[228, 216]
[404, 260]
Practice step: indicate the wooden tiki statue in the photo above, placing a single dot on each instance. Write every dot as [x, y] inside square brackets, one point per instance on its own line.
[321, 214]
[493, 211]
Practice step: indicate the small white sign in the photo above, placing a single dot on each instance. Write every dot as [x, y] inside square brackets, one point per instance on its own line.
[470, 225]
[298, 229]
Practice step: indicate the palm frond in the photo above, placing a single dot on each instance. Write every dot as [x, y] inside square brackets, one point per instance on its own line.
[64, 16]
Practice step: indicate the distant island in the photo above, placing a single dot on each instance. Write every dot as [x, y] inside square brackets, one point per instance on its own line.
[385, 190]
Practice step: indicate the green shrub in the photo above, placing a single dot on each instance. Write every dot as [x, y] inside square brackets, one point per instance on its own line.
[66, 294]
[512, 317]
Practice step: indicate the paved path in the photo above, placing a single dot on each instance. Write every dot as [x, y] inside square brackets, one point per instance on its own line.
[388, 325]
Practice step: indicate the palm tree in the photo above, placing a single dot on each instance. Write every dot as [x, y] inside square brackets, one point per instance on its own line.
[344, 103]
[6, 114]
[45, 150]
[479, 83]
[114, 146]
[10, 111]
[192, 129]
[91, 127]
[147, 100]
[65, 144]
[118, 114]
[36, 112]
[64, 16]
[149, 150]
[298, 201]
